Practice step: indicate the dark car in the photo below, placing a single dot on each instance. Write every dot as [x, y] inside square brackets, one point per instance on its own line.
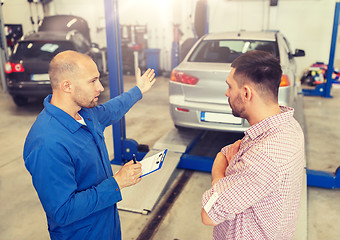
[27, 68]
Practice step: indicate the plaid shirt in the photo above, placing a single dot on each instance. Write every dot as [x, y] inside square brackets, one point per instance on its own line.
[259, 196]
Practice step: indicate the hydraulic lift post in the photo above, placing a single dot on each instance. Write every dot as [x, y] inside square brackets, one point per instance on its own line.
[123, 148]
[114, 67]
[314, 177]
[324, 89]
[330, 68]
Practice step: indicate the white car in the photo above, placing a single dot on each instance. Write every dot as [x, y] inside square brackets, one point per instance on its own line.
[198, 84]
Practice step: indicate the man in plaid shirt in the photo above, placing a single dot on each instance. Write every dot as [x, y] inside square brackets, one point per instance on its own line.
[257, 181]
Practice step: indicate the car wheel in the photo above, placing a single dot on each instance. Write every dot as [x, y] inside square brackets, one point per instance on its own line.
[20, 100]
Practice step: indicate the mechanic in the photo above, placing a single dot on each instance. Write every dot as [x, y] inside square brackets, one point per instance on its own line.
[66, 155]
[257, 181]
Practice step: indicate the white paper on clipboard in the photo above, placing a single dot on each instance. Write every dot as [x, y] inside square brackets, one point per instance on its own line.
[153, 163]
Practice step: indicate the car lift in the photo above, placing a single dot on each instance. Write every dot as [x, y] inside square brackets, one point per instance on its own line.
[324, 89]
[314, 177]
[178, 143]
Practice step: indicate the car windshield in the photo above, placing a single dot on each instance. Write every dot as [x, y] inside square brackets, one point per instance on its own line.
[40, 50]
[226, 51]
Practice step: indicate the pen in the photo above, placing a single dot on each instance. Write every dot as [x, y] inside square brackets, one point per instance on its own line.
[134, 158]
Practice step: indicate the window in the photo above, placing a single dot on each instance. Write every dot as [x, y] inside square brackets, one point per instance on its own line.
[40, 49]
[226, 51]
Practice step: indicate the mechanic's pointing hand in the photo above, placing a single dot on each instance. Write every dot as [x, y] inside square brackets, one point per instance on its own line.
[145, 81]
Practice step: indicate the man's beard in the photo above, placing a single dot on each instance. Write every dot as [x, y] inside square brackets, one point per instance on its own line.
[84, 103]
[237, 111]
[88, 105]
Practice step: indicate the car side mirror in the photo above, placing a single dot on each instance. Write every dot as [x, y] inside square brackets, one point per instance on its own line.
[298, 53]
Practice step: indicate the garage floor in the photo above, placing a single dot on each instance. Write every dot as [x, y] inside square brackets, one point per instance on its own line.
[177, 215]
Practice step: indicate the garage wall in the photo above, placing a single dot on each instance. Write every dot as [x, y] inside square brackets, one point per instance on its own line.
[19, 12]
[157, 15]
[306, 23]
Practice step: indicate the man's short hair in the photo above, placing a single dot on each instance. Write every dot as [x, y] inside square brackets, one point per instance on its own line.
[64, 65]
[262, 69]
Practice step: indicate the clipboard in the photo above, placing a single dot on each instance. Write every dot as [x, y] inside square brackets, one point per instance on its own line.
[153, 163]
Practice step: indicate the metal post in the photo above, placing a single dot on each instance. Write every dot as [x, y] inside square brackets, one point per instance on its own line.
[175, 46]
[321, 178]
[114, 57]
[327, 92]
[3, 52]
[206, 27]
[135, 58]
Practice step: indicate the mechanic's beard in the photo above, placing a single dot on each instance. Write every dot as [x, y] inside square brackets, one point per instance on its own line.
[90, 104]
[83, 103]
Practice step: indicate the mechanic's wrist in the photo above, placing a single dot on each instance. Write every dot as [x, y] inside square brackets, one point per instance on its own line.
[118, 180]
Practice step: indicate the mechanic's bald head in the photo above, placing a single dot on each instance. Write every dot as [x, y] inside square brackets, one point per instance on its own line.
[66, 65]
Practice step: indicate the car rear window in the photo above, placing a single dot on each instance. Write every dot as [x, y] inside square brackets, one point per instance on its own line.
[226, 51]
[40, 50]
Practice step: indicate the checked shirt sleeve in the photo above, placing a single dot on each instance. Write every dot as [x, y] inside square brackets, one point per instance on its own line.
[248, 179]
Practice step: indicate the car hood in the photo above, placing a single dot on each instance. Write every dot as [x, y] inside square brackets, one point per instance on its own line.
[211, 86]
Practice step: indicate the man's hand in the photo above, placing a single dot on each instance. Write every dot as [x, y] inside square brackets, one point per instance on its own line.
[221, 162]
[129, 174]
[232, 150]
[218, 168]
[206, 219]
[145, 81]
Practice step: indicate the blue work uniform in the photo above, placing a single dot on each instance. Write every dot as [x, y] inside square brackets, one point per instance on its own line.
[71, 170]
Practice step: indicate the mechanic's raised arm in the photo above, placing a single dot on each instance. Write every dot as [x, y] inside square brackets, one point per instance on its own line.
[144, 82]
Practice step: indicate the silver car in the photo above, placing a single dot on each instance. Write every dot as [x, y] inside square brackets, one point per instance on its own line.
[198, 84]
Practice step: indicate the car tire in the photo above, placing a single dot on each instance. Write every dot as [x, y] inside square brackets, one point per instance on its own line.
[20, 100]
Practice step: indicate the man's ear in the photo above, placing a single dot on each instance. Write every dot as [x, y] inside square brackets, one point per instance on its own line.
[247, 93]
[66, 86]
